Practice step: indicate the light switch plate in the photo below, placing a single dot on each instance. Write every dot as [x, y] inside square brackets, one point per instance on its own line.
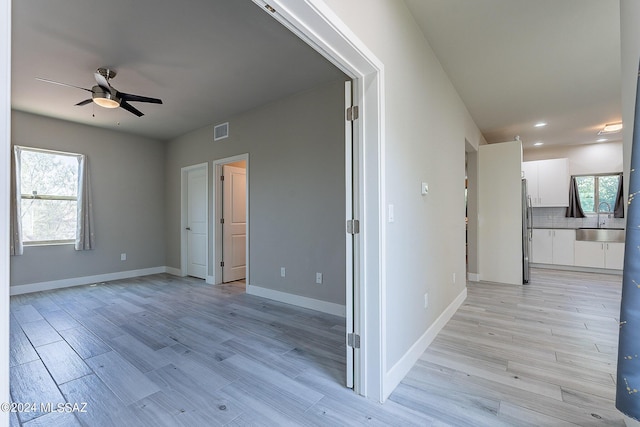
[425, 188]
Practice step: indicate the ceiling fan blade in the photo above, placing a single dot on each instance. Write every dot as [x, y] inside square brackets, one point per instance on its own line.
[138, 98]
[62, 84]
[131, 108]
[101, 80]
[85, 102]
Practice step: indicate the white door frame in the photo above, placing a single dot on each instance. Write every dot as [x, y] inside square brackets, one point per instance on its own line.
[316, 24]
[217, 212]
[5, 150]
[184, 199]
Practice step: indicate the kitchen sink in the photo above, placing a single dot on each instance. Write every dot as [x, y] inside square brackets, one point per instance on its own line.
[600, 234]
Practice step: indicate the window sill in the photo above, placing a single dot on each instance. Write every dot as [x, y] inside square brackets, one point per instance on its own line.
[37, 244]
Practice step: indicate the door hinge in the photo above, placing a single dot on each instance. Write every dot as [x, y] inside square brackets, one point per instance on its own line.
[221, 263]
[352, 113]
[353, 340]
[353, 226]
[221, 177]
[221, 220]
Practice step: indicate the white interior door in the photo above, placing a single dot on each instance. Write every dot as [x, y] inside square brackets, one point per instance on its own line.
[234, 226]
[350, 214]
[196, 224]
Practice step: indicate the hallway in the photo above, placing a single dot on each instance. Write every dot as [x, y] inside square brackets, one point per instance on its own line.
[541, 354]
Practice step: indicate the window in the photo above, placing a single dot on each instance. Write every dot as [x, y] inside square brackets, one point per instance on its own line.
[598, 192]
[49, 196]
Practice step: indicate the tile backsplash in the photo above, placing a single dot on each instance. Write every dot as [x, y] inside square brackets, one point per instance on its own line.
[555, 218]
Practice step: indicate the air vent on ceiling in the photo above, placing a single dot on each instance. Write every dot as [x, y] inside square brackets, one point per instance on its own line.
[221, 131]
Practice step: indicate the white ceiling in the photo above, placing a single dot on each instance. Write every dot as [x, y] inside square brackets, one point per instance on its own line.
[206, 59]
[514, 62]
[518, 62]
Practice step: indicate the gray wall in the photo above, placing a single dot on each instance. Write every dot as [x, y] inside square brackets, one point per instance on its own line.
[127, 178]
[296, 190]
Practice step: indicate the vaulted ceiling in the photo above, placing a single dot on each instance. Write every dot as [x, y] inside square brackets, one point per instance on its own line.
[206, 59]
[514, 62]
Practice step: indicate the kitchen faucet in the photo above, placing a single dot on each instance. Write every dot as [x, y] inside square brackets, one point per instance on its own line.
[608, 210]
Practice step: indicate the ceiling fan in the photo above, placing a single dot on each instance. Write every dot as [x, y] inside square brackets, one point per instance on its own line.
[106, 95]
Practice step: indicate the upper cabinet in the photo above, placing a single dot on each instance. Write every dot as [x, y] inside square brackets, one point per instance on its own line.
[547, 182]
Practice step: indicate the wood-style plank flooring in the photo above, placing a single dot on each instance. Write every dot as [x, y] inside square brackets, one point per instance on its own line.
[543, 354]
[162, 350]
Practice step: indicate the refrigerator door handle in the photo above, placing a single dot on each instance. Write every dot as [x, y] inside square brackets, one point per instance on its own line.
[530, 217]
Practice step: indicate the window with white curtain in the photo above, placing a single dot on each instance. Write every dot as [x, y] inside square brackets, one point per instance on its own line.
[48, 196]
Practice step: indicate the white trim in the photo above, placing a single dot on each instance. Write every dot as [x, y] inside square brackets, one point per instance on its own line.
[217, 210]
[406, 362]
[84, 280]
[211, 280]
[579, 269]
[316, 24]
[473, 277]
[184, 172]
[297, 300]
[174, 271]
[5, 150]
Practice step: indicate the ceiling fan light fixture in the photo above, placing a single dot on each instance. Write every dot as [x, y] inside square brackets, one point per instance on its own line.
[106, 102]
[611, 128]
[104, 98]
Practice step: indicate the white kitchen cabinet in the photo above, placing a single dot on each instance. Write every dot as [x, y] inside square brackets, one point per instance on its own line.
[547, 182]
[563, 247]
[599, 254]
[549, 246]
[541, 246]
[614, 255]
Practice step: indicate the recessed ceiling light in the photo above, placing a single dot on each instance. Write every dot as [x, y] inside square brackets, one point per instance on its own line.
[611, 128]
[539, 143]
[539, 125]
[602, 140]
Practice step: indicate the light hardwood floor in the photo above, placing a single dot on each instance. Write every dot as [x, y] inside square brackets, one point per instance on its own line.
[162, 350]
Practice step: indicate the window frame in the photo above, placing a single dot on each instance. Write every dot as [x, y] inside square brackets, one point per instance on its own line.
[24, 196]
[596, 192]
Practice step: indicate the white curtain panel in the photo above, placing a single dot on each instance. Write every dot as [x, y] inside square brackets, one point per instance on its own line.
[15, 243]
[85, 233]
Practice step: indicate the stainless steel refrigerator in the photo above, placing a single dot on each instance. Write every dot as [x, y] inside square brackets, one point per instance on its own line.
[527, 232]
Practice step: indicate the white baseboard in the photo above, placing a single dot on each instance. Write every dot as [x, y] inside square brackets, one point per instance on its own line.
[576, 268]
[397, 373]
[211, 280]
[473, 277]
[174, 271]
[85, 280]
[300, 301]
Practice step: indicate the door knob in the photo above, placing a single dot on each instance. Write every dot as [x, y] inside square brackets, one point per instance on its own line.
[188, 228]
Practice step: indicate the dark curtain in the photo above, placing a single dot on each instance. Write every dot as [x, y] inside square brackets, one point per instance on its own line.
[618, 211]
[628, 378]
[575, 209]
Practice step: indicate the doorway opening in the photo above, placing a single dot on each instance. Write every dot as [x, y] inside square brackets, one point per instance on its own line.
[231, 220]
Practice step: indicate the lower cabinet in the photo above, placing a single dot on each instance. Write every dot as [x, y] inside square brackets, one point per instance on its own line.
[552, 246]
[599, 255]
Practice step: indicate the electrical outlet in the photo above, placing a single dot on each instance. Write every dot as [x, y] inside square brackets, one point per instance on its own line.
[318, 278]
[426, 300]
[283, 272]
[123, 256]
